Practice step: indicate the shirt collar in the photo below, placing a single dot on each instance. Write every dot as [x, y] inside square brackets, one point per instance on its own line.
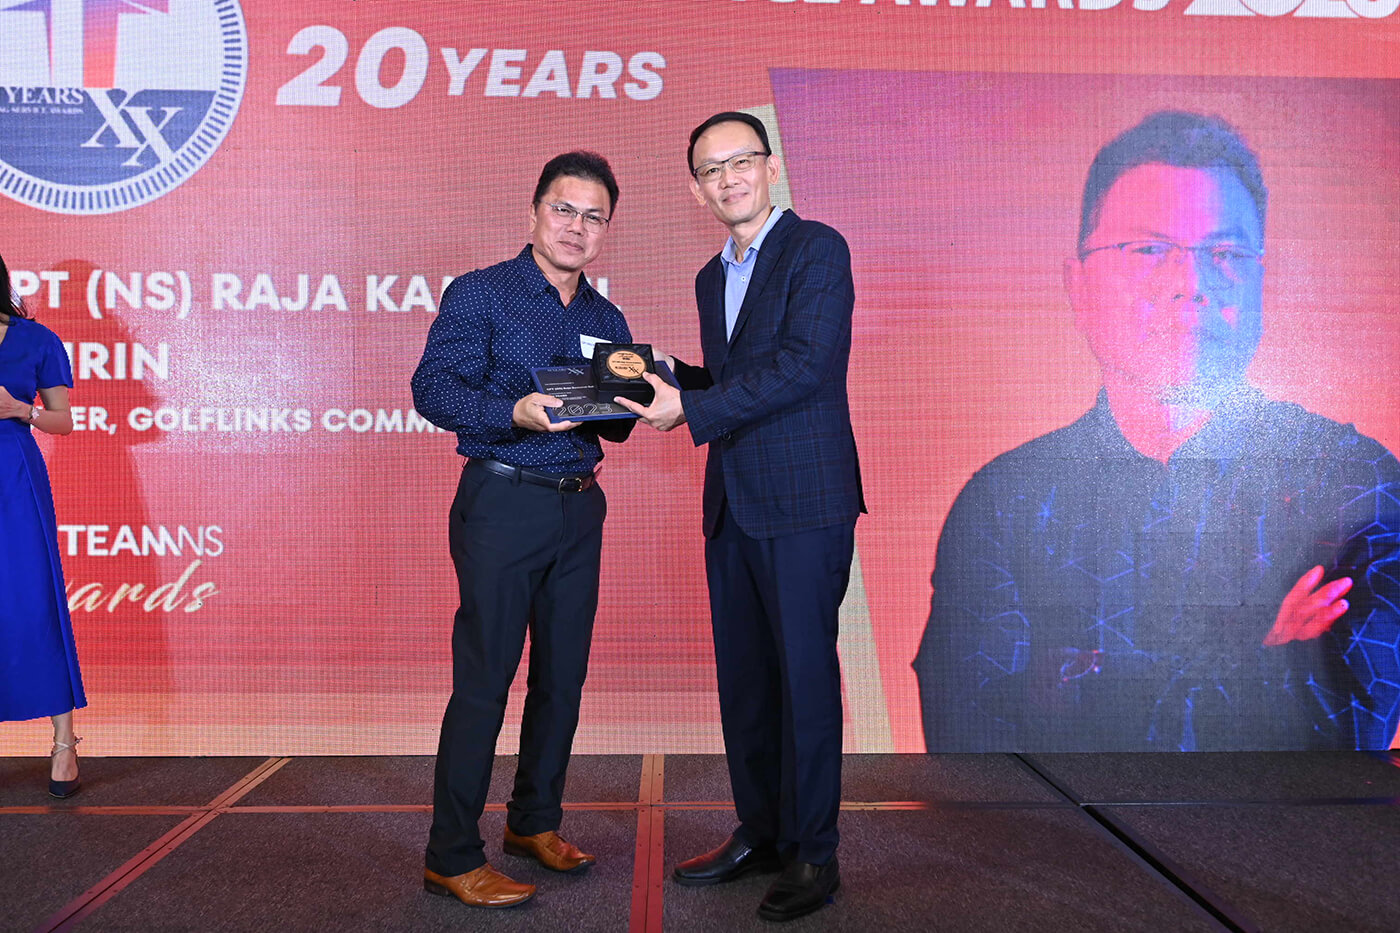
[1220, 438]
[532, 277]
[727, 254]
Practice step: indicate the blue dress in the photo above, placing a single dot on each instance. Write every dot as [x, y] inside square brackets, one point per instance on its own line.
[38, 660]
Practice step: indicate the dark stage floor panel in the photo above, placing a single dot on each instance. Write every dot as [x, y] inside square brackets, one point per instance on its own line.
[1284, 868]
[127, 782]
[401, 780]
[1247, 841]
[696, 778]
[359, 872]
[48, 859]
[948, 869]
[866, 778]
[942, 779]
[351, 781]
[1238, 776]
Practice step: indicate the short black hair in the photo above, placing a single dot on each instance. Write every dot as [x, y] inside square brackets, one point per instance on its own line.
[1172, 137]
[578, 164]
[10, 303]
[728, 116]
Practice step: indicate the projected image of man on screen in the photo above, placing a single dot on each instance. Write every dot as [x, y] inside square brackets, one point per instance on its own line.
[1190, 565]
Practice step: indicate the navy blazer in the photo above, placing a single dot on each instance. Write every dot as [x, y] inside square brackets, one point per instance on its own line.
[771, 401]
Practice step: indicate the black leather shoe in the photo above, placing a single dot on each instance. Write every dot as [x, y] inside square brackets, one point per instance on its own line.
[731, 860]
[799, 890]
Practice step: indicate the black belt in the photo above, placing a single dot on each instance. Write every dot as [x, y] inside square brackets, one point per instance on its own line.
[566, 483]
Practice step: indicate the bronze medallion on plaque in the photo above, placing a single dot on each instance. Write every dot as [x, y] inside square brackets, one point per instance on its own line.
[618, 369]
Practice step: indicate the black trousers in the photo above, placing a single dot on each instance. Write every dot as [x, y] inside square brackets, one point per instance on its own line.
[774, 605]
[526, 557]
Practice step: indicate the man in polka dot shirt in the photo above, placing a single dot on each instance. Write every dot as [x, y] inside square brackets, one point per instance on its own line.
[525, 529]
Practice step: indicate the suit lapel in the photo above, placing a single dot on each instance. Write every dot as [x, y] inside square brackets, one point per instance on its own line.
[762, 268]
[712, 340]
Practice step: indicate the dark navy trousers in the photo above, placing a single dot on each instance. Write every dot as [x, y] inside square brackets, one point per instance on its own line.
[526, 557]
[774, 605]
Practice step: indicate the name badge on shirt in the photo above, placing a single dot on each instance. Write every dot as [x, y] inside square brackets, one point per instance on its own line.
[587, 343]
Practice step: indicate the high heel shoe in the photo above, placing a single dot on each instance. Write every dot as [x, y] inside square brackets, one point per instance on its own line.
[64, 789]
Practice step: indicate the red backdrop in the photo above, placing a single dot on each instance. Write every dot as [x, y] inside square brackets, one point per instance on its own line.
[315, 594]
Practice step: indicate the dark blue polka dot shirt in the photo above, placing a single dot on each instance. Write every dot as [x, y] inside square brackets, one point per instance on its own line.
[494, 325]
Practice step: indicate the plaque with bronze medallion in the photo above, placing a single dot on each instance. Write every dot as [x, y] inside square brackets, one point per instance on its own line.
[618, 369]
[587, 389]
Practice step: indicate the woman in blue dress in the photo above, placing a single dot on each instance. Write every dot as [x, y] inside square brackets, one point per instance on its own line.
[38, 660]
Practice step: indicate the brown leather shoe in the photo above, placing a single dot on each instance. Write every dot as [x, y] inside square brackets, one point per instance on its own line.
[549, 850]
[484, 887]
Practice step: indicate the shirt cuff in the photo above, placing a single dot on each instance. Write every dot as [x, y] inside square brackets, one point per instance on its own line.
[499, 415]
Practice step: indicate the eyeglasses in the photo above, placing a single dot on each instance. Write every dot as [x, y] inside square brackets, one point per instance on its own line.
[565, 214]
[739, 164]
[1230, 261]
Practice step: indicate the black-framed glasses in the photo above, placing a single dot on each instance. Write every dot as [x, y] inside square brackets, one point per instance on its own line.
[1230, 261]
[739, 163]
[565, 214]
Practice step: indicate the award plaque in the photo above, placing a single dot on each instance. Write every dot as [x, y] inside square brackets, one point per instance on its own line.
[584, 398]
[618, 369]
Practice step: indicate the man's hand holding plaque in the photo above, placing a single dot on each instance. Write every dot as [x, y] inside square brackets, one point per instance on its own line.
[658, 401]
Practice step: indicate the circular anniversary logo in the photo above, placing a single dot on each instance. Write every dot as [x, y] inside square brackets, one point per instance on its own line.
[106, 105]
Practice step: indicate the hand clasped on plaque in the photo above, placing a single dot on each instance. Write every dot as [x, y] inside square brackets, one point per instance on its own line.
[665, 411]
[530, 414]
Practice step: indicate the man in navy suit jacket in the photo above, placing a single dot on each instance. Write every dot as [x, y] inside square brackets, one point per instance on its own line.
[782, 492]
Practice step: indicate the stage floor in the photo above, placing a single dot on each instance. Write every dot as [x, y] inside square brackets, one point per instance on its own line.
[1243, 841]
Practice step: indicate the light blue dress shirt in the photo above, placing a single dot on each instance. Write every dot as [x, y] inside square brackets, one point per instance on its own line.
[737, 273]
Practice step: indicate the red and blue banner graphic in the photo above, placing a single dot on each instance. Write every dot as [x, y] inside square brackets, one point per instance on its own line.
[239, 217]
[87, 130]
